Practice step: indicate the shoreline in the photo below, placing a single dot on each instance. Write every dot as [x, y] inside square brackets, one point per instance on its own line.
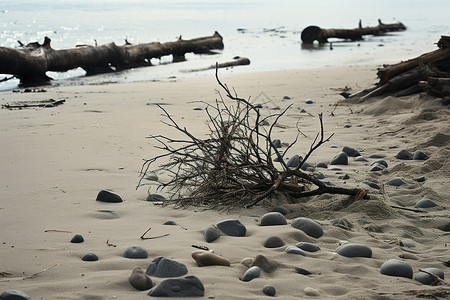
[54, 161]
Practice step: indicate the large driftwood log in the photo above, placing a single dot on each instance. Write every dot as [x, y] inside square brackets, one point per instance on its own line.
[429, 72]
[32, 62]
[315, 33]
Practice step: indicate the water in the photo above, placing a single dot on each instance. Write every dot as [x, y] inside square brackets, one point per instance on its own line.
[271, 39]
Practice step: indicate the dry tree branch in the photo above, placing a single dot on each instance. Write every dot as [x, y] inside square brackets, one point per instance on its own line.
[234, 165]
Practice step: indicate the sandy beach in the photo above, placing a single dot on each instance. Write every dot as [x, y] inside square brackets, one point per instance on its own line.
[54, 162]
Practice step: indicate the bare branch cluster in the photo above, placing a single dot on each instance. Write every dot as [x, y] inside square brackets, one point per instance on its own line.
[237, 165]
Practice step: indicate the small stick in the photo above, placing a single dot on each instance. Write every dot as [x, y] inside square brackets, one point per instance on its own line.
[142, 236]
[409, 209]
[56, 230]
[182, 226]
[154, 237]
[110, 244]
[5, 274]
[42, 271]
[391, 132]
[436, 278]
[200, 247]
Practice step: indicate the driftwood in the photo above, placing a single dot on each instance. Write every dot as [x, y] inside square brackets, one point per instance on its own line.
[237, 61]
[237, 165]
[429, 72]
[315, 33]
[30, 63]
[30, 104]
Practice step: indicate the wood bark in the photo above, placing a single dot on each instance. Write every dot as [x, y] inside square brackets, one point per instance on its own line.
[315, 33]
[32, 62]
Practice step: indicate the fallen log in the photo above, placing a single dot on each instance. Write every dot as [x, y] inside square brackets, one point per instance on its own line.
[31, 63]
[315, 33]
[237, 61]
[429, 72]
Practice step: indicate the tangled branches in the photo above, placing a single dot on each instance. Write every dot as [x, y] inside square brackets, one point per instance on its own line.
[235, 165]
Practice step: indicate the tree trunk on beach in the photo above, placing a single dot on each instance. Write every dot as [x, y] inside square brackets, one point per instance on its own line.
[32, 62]
[315, 33]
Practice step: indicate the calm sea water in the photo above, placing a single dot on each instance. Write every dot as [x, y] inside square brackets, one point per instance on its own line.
[270, 39]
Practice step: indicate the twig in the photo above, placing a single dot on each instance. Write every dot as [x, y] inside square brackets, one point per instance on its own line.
[56, 230]
[142, 236]
[436, 278]
[200, 247]
[110, 244]
[409, 209]
[155, 237]
[391, 132]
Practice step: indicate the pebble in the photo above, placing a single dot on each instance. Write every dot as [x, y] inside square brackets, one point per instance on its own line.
[276, 143]
[286, 98]
[139, 280]
[211, 234]
[189, 286]
[427, 279]
[419, 155]
[294, 250]
[90, 257]
[308, 247]
[342, 223]
[232, 227]
[14, 295]
[425, 203]
[293, 161]
[274, 242]
[377, 167]
[135, 252]
[309, 291]
[155, 197]
[107, 196]
[204, 259]
[340, 159]
[351, 151]
[398, 268]
[407, 243]
[420, 179]
[397, 181]
[264, 123]
[310, 227]
[77, 238]
[321, 164]
[344, 177]
[302, 271]
[334, 146]
[347, 126]
[371, 184]
[320, 175]
[269, 290]
[252, 273]
[404, 154]
[280, 209]
[309, 101]
[354, 250]
[197, 108]
[376, 156]
[170, 222]
[381, 162]
[273, 218]
[166, 267]
[360, 158]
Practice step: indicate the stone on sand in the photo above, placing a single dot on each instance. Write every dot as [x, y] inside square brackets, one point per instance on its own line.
[312, 292]
[371, 184]
[351, 151]
[211, 234]
[276, 143]
[90, 257]
[232, 227]
[155, 197]
[377, 167]
[354, 250]
[135, 252]
[308, 226]
[308, 247]
[166, 267]
[77, 238]
[251, 274]
[269, 290]
[419, 155]
[189, 286]
[404, 154]
[425, 203]
[107, 196]
[426, 278]
[340, 159]
[280, 209]
[381, 162]
[268, 265]
[396, 267]
[273, 218]
[361, 159]
[293, 161]
[294, 250]
[139, 280]
[273, 242]
[14, 295]
[396, 181]
[321, 164]
[204, 258]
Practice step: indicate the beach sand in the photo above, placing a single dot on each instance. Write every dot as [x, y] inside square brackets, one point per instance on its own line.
[54, 161]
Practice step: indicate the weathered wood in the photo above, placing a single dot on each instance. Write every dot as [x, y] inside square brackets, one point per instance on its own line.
[237, 61]
[439, 87]
[315, 33]
[441, 54]
[32, 62]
